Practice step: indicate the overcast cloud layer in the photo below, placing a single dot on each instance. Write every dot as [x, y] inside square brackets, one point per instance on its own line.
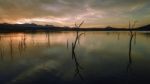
[96, 13]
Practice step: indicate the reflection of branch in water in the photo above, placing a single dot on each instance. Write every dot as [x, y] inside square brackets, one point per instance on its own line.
[0, 37]
[1, 50]
[67, 44]
[24, 41]
[78, 66]
[22, 45]
[20, 48]
[118, 36]
[32, 38]
[11, 48]
[130, 50]
[1, 53]
[48, 39]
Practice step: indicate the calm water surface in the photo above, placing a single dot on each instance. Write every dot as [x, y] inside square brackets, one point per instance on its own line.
[68, 58]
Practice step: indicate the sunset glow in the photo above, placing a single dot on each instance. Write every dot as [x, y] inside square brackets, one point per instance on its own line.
[96, 13]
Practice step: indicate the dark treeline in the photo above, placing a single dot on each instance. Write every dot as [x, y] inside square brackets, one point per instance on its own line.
[34, 27]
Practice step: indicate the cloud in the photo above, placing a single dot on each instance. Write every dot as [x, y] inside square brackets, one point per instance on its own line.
[94, 11]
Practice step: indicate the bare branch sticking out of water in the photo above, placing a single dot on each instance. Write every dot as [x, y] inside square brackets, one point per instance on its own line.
[74, 57]
[78, 26]
[132, 35]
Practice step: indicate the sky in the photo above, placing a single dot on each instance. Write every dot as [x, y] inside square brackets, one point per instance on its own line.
[95, 13]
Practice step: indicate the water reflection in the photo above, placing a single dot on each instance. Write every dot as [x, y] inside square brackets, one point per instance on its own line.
[103, 56]
[67, 44]
[118, 35]
[74, 57]
[1, 50]
[11, 49]
[2, 53]
[13, 45]
[48, 39]
[22, 44]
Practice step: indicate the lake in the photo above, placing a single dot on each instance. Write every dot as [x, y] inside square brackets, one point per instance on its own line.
[98, 57]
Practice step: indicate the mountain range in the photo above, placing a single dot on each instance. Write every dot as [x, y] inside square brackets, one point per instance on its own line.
[34, 27]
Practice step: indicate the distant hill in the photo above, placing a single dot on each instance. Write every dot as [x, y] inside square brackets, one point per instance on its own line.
[28, 27]
[34, 27]
[144, 28]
